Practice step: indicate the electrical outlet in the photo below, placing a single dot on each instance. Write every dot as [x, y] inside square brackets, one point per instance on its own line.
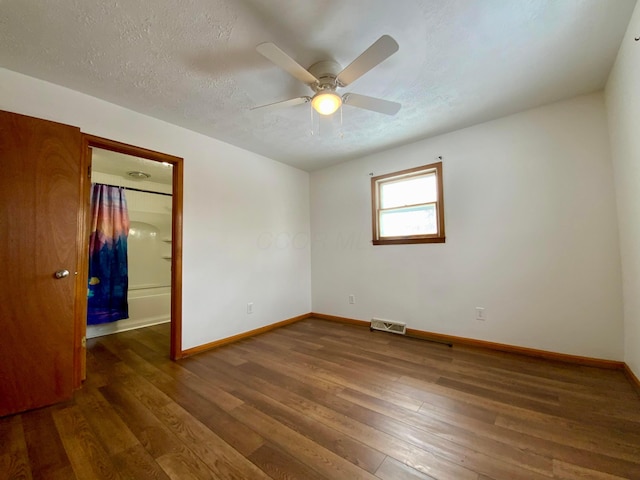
[352, 299]
[250, 307]
[480, 314]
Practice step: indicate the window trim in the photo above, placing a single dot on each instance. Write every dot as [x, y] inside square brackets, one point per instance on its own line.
[400, 176]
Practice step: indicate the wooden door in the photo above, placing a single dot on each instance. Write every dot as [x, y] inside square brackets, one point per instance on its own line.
[40, 201]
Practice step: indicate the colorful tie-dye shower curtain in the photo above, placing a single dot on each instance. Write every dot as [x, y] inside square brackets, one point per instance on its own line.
[108, 278]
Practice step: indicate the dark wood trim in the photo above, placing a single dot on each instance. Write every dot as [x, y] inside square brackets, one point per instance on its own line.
[176, 229]
[374, 211]
[125, 148]
[414, 239]
[632, 378]
[440, 210]
[471, 342]
[409, 241]
[176, 260]
[241, 336]
[409, 172]
[530, 352]
[333, 318]
[82, 241]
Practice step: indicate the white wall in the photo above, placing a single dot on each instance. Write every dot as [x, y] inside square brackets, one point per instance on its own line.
[531, 236]
[235, 202]
[623, 105]
[531, 227]
[149, 245]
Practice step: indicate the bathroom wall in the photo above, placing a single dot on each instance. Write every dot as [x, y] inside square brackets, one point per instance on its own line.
[149, 254]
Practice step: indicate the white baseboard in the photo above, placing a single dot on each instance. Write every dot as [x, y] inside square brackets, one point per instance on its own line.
[123, 326]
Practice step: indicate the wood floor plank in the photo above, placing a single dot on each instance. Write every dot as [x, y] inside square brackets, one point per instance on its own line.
[220, 457]
[611, 423]
[488, 457]
[14, 459]
[500, 405]
[181, 466]
[228, 355]
[107, 425]
[317, 457]
[298, 339]
[543, 447]
[14, 467]
[300, 375]
[281, 466]
[346, 447]
[210, 407]
[437, 404]
[585, 438]
[173, 372]
[391, 469]
[380, 420]
[342, 336]
[567, 471]
[87, 457]
[150, 432]
[406, 451]
[352, 376]
[136, 462]
[381, 441]
[497, 396]
[47, 455]
[161, 434]
[323, 400]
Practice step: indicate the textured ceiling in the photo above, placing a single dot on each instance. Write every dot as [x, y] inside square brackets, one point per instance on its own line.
[193, 62]
[113, 163]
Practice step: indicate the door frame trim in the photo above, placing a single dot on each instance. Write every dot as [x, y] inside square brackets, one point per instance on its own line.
[91, 141]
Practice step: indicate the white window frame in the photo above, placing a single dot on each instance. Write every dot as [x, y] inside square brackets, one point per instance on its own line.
[377, 182]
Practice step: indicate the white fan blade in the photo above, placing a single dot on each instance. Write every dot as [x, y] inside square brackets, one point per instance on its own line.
[285, 103]
[371, 103]
[381, 49]
[284, 61]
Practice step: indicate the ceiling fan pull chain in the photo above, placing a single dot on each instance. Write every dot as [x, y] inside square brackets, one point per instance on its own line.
[341, 134]
[311, 119]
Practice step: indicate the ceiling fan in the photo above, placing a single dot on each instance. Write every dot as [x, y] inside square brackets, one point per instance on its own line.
[325, 77]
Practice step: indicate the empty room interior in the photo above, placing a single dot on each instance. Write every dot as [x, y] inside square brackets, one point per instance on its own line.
[250, 239]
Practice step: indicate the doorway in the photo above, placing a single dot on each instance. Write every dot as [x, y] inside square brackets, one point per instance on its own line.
[156, 226]
[145, 189]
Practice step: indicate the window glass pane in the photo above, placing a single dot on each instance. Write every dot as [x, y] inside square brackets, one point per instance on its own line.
[409, 221]
[412, 191]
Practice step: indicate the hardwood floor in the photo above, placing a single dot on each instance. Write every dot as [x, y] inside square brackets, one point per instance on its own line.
[322, 400]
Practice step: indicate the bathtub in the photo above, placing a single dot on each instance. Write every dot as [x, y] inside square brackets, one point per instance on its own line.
[148, 305]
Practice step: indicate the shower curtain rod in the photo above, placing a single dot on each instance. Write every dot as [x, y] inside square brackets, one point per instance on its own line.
[134, 189]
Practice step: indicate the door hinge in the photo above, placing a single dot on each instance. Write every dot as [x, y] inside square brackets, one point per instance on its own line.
[83, 342]
[89, 171]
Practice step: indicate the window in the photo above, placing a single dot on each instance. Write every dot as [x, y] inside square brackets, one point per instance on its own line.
[408, 206]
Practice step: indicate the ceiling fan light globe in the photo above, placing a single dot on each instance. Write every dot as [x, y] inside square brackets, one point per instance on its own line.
[326, 103]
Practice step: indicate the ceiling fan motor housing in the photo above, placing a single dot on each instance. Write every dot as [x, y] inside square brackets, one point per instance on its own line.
[326, 72]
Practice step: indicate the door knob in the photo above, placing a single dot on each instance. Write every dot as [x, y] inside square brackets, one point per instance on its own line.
[61, 274]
